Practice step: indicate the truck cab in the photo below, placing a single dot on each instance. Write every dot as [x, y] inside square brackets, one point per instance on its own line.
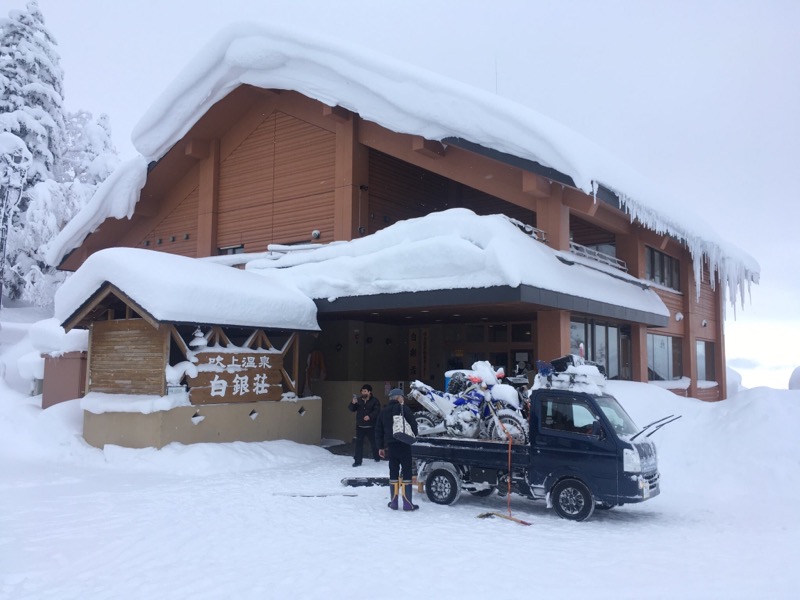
[581, 448]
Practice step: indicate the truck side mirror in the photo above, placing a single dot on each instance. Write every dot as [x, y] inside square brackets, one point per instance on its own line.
[597, 429]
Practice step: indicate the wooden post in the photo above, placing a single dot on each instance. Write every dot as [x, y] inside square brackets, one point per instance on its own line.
[208, 200]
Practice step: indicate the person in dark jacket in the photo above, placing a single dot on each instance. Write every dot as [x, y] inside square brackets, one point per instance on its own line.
[399, 453]
[367, 409]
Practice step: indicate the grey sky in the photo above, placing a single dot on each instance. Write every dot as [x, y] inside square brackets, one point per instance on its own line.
[697, 95]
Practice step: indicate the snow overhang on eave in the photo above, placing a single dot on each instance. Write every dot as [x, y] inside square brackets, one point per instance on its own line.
[493, 303]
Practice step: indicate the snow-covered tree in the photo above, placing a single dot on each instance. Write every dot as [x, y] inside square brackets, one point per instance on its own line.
[89, 154]
[71, 154]
[31, 89]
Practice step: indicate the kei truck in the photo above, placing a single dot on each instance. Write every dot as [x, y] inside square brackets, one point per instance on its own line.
[581, 452]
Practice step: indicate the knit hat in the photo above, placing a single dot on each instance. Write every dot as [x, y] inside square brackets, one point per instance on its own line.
[396, 392]
[367, 387]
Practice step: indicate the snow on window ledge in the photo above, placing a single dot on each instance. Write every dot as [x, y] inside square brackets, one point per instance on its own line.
[675, 384]
[704, 385]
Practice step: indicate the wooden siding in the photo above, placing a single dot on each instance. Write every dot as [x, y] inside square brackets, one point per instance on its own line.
[399, 190]
[126, 357]
[674, 301]
[706, 308]
[278, 185]
[177, 231]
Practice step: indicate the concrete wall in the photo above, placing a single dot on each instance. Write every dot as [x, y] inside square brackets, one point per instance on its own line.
[245, 422]
[338, 423]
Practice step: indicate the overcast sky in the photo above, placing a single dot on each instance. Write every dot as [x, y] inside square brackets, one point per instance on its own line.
[700, 96]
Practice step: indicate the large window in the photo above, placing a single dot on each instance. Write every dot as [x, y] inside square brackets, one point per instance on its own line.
[705, 361]
[601, 344]
[664, 358]
[663, 269]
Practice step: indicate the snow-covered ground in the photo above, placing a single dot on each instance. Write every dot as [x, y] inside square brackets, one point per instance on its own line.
[253, 520]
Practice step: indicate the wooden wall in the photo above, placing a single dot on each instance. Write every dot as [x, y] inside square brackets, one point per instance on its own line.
[176, 233]
[277, 186]
[126, 357]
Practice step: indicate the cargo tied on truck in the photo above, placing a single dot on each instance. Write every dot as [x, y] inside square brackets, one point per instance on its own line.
[582, 450]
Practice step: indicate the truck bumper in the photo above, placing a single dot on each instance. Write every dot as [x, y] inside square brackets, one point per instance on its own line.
[638, 487]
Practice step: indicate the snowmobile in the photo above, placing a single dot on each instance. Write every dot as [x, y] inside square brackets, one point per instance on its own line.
[476, 405]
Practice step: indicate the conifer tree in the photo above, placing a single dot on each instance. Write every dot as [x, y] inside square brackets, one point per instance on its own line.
[70, 154]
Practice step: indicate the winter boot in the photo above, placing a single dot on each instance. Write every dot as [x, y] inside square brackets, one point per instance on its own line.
[407, 495]
[395, 489]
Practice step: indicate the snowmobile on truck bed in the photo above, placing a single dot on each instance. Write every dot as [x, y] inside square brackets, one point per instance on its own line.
[584, 451]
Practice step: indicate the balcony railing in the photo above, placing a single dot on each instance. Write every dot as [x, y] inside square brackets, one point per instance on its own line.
[602, 257]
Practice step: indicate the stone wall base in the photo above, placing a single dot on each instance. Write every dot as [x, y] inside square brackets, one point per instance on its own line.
[299, 421]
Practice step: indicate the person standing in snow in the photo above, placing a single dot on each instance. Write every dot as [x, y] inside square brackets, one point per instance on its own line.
[399, 453]
[367, 408]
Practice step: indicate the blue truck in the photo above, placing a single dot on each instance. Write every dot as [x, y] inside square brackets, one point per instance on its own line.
[583, 453]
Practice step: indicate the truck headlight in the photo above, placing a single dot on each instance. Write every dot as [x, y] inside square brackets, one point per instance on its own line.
[631, 463]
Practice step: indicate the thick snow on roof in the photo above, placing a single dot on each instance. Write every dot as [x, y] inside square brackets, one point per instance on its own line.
[180, 289]
[452, 249]
[414, 101]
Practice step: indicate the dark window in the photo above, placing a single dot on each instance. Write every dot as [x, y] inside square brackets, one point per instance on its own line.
[662, 269]
[705, 361]
[664, 358]
[231, 250]
[570, 415]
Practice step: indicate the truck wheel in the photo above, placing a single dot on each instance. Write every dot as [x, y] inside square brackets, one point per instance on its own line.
[425, 419]
[441, 487]
[572, 500]
[513, 424]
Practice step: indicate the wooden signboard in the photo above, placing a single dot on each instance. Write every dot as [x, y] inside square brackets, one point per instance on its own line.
[247, 376]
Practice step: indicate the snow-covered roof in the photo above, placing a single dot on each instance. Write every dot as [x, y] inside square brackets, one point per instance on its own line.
[175, 288]
[452, 249]
[407, 100]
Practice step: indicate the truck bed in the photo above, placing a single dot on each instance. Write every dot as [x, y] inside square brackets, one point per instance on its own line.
[471, 452]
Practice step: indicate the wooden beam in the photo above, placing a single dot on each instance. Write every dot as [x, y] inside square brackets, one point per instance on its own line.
[179, 341]
[197, 148]
[208, 201]
[337, 113]
[430, 148]
[579, 201]
[535, 185]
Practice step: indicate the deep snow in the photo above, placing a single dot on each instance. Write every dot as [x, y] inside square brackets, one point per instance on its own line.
[243, 520]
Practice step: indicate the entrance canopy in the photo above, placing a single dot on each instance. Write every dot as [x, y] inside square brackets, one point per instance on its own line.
[452, 260]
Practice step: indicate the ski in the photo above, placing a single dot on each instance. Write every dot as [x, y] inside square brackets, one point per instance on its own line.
[365, 481]
[311, 495]
[488, 515]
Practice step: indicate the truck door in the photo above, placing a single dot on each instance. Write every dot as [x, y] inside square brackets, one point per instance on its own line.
[563, 443]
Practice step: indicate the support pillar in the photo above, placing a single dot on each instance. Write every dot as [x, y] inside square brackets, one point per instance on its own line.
[552, 334]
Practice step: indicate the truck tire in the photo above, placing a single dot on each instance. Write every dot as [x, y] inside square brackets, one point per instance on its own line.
[513, 423]
[572, 500]
[441, 487]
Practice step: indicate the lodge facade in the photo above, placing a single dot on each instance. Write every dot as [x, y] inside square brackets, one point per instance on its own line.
[268, 167]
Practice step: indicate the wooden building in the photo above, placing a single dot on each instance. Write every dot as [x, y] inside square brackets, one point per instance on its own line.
[268, 166]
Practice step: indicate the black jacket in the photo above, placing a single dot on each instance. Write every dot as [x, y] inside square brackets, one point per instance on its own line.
[366, 408]
[383, 430]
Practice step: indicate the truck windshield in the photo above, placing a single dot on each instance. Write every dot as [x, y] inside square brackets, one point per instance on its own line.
[614, 412]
